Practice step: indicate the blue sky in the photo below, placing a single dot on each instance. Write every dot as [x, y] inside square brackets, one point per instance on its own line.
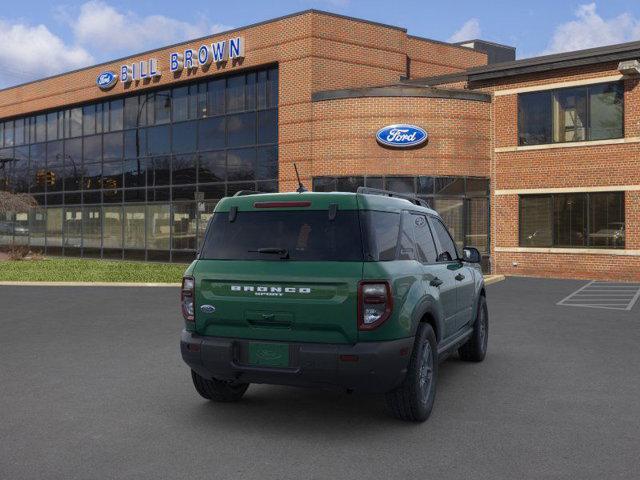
[43, 37]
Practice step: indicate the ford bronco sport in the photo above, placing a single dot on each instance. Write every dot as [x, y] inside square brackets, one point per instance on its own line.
[362, 291]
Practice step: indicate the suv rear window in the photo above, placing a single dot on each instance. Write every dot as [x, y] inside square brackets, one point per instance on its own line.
[305, 235]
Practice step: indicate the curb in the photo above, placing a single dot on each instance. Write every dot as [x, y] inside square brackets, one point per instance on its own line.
[489, 279]
[88, 284]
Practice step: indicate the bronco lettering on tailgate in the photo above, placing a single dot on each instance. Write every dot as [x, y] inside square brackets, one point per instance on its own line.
[269, 291]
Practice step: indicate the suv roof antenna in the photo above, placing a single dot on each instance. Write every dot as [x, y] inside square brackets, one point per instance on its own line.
[300, 188]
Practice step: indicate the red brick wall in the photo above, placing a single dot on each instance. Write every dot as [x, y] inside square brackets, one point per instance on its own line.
[565, 167]
[344, 137]
[561, 265]
[430, 58]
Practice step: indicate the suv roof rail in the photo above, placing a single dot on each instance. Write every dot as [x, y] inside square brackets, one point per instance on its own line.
[242, 193]
[388, 193]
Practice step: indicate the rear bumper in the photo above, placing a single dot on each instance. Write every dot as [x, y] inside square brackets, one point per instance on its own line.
[380, 366]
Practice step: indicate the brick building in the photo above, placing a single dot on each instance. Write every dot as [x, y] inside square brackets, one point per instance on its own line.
[531, 161]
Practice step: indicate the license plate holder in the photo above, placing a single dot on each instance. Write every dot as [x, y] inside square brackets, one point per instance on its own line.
[269, 355]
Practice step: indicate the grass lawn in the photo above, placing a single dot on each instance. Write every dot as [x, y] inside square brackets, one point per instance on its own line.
[84, 270]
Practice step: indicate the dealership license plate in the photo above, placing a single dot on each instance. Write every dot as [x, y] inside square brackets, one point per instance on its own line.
[269, 354]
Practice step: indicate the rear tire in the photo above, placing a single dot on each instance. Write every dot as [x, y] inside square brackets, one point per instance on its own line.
[476, 347]
[217, 390]
[413, 400]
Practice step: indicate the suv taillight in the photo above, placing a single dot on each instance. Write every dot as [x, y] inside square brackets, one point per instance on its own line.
[187, 298]
[375, 303]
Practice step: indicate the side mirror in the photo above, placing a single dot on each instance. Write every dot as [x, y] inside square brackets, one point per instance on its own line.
[471, 255]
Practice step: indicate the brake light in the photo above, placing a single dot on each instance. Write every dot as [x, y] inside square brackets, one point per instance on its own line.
[187, 298]
[280, 204]
[375, 303]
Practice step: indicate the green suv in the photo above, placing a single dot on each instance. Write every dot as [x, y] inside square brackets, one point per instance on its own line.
[359, 291]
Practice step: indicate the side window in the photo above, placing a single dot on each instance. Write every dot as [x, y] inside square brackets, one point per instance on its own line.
[447, 250]
[380, 231]
[406, 248]
[424, 241]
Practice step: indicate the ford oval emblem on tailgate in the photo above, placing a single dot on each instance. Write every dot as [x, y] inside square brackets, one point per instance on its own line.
[401, 136]
[207, 309]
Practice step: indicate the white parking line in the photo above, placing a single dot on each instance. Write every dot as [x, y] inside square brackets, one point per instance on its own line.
[612, 296]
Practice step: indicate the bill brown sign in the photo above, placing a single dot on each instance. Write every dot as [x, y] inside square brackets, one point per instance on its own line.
[189, 59]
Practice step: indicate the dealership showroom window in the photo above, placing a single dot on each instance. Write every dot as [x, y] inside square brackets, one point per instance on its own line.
[120, 179]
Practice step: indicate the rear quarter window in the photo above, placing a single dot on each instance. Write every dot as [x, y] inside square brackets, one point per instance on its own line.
[381, 231]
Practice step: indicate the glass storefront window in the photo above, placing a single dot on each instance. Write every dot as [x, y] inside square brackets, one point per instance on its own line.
[112, 227]
[241, 164]
[54, 227]
[606, 220]
[183, 169]
[235, 93]
[97, 167]
[162, 107]
[184, 137]
[216, 97]
[570, 218]
[595, 220]
[37, 227]
[116, 118]
[184, 226]
[212, 133]
[180, 104]
[400, 184]
[72, 229]
[134, 226]
[159, 140]
[205, 212]
[241, 130]
[452, 212]
[6, 228]
[158, 227]
[92, 227]
[477, 232]
[536, 217]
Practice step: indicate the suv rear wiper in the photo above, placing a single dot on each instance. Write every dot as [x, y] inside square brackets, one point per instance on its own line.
[283, 252]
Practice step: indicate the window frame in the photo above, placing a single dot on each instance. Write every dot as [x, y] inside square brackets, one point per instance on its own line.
[552, 93]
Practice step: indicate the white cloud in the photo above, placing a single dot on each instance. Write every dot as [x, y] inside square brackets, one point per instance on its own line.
[469, 31]
[589, 29]
[97, 32]
[28, 52]
[104, 29]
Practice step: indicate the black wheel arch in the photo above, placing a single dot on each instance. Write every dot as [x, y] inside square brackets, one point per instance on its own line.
[428, 312]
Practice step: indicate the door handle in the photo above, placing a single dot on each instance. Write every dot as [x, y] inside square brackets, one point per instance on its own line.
[436, 282]
[459, 277]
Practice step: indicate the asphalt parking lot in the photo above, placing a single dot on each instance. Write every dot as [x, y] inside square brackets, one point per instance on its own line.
[92, 386]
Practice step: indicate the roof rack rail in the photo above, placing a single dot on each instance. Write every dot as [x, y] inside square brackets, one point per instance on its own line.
[387, 193]
[242, 193]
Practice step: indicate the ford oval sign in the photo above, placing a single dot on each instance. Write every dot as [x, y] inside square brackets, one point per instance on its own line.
[106, 80]
[401, 136]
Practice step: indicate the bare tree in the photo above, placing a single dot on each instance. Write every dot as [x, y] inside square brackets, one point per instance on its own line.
[16, 202]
